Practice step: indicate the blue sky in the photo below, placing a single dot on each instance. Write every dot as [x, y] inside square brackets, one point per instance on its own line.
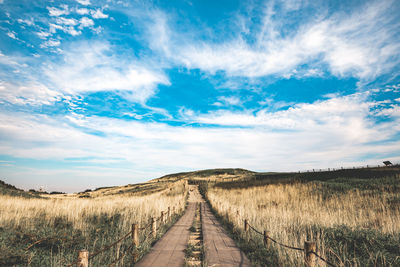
[96, 93]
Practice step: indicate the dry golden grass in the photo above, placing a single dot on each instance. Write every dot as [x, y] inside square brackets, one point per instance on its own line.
[95, 221]
[289, 211]
[20, 211]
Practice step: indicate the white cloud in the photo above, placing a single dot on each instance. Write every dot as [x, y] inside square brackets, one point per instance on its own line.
[85, 22]
[82, 11]
[336, 112]
[55, 27]
[360, 44]
[71, 30]
[392, 111]
[28, 94]
[83, 2]
[66, 21]
[43, 35]
[55, 12]
[50, 43]
[67, 29]
[328, 125]
[29, 22]
[228, 101]
[98, 14]
[87, 67]
[13, 61]
[12, 35]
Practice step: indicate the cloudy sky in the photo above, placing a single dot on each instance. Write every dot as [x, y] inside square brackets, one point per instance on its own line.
[96, 93]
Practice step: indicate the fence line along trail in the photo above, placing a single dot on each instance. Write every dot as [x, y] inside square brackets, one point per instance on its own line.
[170, 249]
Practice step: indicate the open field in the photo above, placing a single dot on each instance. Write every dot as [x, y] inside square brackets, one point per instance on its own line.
[355, 221]
[48, 231]
[353, 216]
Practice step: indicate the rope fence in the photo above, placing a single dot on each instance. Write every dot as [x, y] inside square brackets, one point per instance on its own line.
[309, 249]
[84, 256]
[350, 168]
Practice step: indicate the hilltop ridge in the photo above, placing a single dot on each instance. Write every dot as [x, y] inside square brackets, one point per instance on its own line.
[219, 175]
[209, 174]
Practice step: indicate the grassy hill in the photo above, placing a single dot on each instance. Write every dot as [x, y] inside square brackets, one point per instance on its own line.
[229, 177]
[355, 175]
[10, 190]
[210, 175]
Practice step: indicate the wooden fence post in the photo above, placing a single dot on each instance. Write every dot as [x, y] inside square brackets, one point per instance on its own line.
[267, 242]
[173, 210]
[154, 227]
[135, 234]
[83, 258]
[162, 217]
[309, 250]
[169, 213]
[246, 228]
[135, 240]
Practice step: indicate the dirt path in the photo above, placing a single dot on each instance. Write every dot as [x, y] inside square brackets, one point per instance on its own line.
[220, 249]
[169, 250]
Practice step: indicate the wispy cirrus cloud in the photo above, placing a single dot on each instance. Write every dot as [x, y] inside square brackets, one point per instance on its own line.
[66, 21]
[228, 101]
[27, 94]
[83, 2]
[360, 44]
[85, 22]
[82, 68]
[70, 20]
[82, 11]
[89, 67]
[98, 14]
[51, 43]
[55, 12]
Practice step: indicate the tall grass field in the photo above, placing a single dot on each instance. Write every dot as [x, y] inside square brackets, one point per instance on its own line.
[354, 220]
[50, 229]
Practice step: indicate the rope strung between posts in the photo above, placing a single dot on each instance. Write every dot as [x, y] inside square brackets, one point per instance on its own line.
[283, 245]
[145, 227]
[103, 249]
[326, 261]
[110, 246]
[42, 240]
[273, 240]
[255, 230]
[286, 246]
[91, 256]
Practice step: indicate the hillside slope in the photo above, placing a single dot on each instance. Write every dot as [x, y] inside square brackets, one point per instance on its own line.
[10, 190]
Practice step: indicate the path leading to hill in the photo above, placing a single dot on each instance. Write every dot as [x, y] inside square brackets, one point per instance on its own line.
[169, 250]
[220, 250]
